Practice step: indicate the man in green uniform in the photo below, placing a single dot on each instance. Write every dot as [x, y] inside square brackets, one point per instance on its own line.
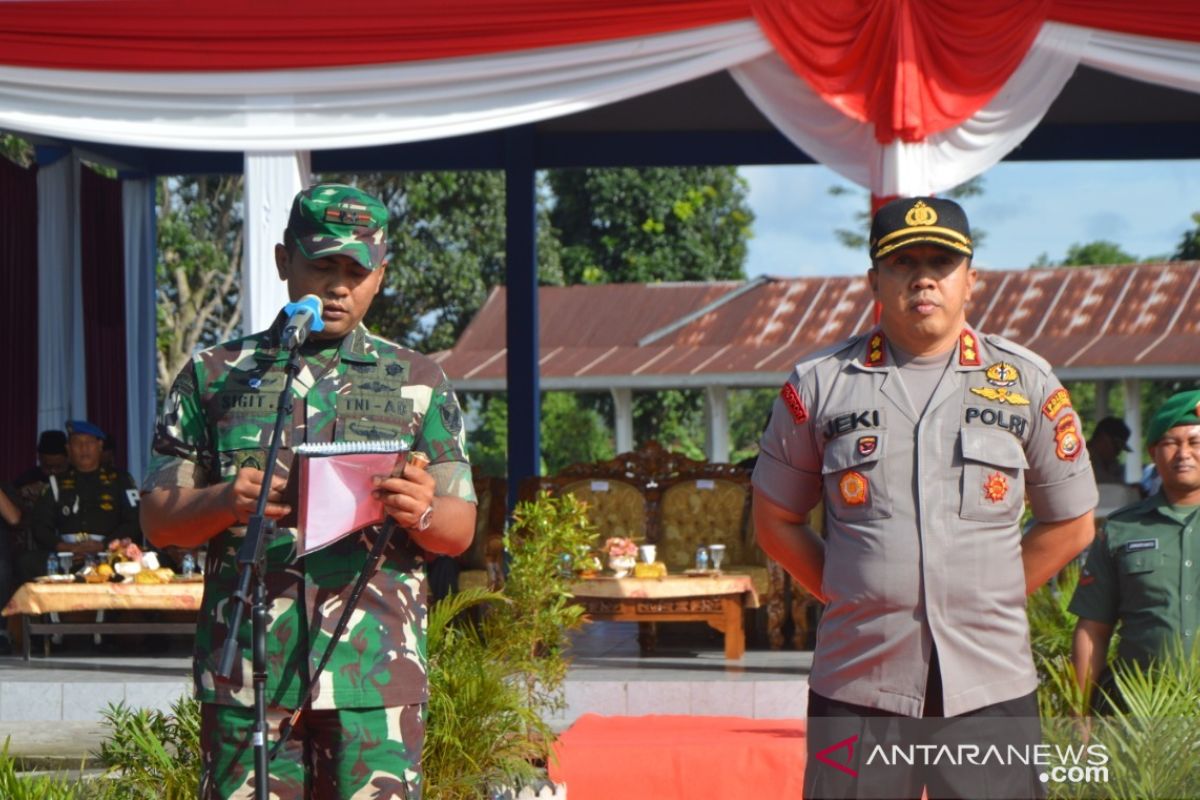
[361, 735]
[84, 508]
[1143, 570]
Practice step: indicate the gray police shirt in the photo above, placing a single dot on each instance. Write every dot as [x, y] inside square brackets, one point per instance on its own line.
[922, 512]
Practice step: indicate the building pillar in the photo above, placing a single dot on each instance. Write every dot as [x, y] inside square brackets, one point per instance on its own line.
[716, 418]
[272, 181]
[1132, 390]
[623, 419]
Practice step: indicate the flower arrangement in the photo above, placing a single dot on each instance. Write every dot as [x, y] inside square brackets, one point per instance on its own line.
[123, 550]
[619, 547]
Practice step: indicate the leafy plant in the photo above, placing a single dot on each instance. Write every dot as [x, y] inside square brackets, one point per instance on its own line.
[14, 786]
[495, 676]
[152, 754]
[479, 723]
[1150, 736]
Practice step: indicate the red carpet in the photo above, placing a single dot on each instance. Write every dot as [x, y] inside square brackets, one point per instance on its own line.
[667, 757]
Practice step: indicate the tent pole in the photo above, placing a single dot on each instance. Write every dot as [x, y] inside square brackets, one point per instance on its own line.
[521, 275]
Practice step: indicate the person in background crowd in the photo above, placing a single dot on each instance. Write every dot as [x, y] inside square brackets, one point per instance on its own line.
[1108, 442]
[85, 507]
[923, 438]
[1143, 570]
[51, 460]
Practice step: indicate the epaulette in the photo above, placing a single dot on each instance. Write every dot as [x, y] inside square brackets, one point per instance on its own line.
[826, 353]
[1009, 346]
[1135, 507]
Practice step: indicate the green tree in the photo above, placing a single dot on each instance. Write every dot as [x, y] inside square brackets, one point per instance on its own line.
[1096, 253]
[1189, 243]
[648, 225]
[572, 432]
[856, 238]
[748, 413]
[16, 149]
[447, 251]
[199, 267]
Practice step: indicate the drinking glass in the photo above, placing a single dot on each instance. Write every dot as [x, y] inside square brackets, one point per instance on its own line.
[716, 553]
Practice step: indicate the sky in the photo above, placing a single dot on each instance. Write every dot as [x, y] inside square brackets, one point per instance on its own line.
[1026, 209]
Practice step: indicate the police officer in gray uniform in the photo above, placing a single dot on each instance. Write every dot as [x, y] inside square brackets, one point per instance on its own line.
[923, 438]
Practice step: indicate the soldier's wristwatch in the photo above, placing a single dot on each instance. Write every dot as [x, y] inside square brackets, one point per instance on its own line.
[426, 519]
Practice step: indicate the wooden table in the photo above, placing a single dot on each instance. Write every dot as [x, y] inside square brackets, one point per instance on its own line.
[718, 600]
[34, 599]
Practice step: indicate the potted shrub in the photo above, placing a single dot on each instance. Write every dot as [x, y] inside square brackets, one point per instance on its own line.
[497, 674]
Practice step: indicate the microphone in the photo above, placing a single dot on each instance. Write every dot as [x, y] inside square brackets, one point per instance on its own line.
[304, 316]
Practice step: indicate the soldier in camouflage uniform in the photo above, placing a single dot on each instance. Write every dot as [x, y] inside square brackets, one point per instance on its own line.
[362, 734]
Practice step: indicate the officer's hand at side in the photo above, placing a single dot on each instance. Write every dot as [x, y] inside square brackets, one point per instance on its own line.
[406, 498]
[242, 495]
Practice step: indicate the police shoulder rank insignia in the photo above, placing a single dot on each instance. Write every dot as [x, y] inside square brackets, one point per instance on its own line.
[853, 487]
[867, 445]
[1002, 374]
[1000, 395]
[874, 351]
[1056, 402]
[995, 488]
[968, 349]
[791, 399]
[1067, 443]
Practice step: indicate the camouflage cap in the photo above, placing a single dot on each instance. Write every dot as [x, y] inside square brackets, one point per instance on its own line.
[332, 218]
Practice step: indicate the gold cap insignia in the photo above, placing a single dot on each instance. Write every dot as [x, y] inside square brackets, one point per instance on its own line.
[1002, 374]
[920, 214]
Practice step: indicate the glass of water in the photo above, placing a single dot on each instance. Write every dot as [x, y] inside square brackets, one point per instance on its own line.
[188, 564]
[716, 553]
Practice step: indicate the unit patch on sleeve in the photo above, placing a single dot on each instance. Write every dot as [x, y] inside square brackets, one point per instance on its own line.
[1068, 445]
[853, 487]
[1056, 402]
[791, 399]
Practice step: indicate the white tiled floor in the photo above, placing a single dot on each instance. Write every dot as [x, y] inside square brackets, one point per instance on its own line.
[688, 674]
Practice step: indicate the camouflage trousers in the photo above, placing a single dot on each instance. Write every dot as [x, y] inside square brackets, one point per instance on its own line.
[341, 754]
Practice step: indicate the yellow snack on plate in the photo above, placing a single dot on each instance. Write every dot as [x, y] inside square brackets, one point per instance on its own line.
[656, 570]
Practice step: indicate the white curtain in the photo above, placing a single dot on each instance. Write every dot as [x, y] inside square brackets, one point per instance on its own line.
[272, 180]
[138, 220]
[288, 110]
[62, 380]
[953, 156]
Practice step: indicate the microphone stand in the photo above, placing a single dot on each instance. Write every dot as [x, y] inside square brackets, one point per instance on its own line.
[252, 565]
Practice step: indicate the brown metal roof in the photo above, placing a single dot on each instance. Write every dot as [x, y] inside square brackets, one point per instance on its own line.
[1134, 320]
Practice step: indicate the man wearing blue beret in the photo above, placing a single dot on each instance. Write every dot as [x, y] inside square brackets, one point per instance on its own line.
[86, 507]
[1143, 569]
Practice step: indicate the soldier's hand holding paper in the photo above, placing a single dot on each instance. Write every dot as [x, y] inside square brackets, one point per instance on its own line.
[408, 497]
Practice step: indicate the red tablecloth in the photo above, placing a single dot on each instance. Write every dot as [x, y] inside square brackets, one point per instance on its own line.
[693, 758]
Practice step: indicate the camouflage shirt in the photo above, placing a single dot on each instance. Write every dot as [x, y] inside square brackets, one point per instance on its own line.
[218, 417]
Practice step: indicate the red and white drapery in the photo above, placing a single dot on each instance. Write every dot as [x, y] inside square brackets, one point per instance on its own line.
[900, 96]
